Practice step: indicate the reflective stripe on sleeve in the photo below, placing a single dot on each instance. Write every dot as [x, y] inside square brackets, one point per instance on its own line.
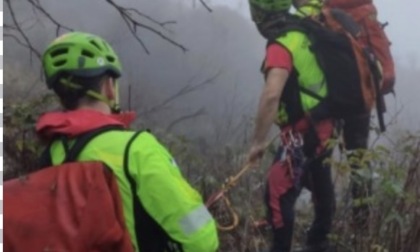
[195, 220]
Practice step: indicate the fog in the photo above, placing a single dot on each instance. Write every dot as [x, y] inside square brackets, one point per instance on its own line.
[225, 51]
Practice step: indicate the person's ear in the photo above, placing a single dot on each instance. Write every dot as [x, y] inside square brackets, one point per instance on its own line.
[110, 88]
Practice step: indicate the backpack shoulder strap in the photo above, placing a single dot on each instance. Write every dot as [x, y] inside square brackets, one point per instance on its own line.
[295, 25]
[337, 17]
[126, 160]
[72, 154]
[45, 159]
[149, 234]
[84, 139]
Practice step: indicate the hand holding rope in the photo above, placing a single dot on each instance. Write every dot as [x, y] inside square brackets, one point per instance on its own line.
[221, 201]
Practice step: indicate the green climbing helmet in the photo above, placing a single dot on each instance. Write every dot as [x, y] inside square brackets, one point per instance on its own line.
[260, 8]
[271, 5]
[79, 54]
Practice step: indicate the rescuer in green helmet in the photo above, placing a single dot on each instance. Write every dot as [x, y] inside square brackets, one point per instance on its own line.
[162, 212]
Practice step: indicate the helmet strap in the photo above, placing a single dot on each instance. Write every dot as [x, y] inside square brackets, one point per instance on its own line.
[113, 104]
[115, 108]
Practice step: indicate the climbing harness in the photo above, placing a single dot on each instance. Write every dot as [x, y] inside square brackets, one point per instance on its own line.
[293, 154]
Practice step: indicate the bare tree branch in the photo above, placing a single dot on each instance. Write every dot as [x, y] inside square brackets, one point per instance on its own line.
[161, 24]
[132, 18]
[193, 115]
[15, 38]
[189, 88]
[133, 31]
[393, 120]
[202, 2]
[133, 24]
[205, 5]
[36, 4]
[18, 28]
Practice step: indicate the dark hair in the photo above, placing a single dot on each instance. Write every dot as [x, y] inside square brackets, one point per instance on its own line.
[70, 98]
[274, 23]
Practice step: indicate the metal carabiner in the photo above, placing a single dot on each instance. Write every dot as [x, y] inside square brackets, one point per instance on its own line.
[298, 140]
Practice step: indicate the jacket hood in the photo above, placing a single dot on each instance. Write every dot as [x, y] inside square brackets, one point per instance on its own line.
[74, 123]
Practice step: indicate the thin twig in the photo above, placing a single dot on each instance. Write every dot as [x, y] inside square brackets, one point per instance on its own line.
[193, 115]
[182, 92]
[129, 15]
[39, 7]
[29, 45]
[15, 38]
[206, 6]
[133, 31]
[133, 24]
[162, 24]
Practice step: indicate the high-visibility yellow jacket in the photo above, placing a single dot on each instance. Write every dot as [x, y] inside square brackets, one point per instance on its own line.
[162, 211]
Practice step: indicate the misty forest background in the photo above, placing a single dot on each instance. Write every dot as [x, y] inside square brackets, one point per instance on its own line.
[191, 72]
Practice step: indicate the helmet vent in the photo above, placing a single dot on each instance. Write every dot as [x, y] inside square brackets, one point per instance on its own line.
[87, 54]
[93, 42]
[110, 59]
[60, 63]
[59, 52]
[106, 46]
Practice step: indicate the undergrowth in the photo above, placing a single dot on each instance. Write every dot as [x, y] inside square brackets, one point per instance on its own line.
[394, 171]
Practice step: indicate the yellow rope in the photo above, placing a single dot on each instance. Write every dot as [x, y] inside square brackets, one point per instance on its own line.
[221, 195]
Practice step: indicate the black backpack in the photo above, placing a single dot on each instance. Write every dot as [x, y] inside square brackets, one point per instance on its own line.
[351, 72]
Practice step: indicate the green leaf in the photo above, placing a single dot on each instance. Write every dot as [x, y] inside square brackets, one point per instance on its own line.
[394, 216]
[19, 145]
